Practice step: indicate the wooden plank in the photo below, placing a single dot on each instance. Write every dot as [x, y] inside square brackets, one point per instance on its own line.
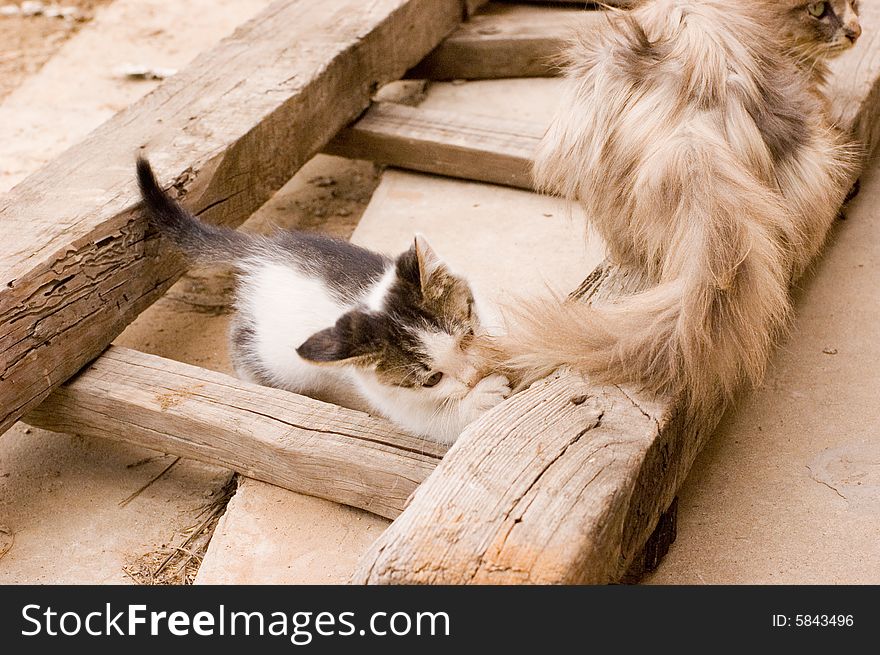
[272, 435]
[229, 130]
[565, 482]
[504, 41]
[446, 143]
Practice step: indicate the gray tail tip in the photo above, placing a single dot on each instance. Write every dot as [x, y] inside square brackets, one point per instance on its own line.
[146, 177]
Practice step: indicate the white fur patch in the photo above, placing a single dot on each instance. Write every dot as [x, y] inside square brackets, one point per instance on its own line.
[376, 298]
[446, 353]
[286, 308]
[441, 347]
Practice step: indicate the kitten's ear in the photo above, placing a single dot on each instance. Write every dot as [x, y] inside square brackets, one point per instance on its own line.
[429, 260]
[324, 347]
[419, 265]
[353, 340]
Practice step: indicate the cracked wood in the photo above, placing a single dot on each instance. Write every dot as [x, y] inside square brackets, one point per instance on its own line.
[271, 435]
[229, 130]
[539, 490]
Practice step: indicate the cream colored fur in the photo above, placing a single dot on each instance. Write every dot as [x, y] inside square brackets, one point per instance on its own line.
[703, 156]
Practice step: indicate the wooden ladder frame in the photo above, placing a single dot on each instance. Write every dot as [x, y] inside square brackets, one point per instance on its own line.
[563, 483]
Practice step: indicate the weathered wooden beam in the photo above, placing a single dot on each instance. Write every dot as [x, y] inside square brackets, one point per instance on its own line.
[505, 41]
[565, 482]
[288, 440]
[459, 145]
[76, 264]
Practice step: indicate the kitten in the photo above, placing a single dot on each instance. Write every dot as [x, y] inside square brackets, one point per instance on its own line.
[702, 153]
[323, 317]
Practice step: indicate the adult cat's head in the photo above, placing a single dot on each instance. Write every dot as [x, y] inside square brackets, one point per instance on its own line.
[418, 330]
[821, 30]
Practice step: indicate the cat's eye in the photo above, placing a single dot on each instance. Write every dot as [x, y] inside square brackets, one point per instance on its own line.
[434, 380]
[817, 9]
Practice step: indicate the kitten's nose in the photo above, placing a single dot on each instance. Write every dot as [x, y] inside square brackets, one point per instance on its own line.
[853, 32]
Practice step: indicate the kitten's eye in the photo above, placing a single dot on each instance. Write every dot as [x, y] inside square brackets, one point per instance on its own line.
[817, 9]
[434, 380]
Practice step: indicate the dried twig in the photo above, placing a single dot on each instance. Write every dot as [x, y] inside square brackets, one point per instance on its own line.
[137, 493]
[179, 563]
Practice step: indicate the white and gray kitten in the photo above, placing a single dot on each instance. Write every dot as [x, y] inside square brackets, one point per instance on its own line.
[320, 316]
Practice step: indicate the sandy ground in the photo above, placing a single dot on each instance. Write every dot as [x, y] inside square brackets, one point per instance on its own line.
[30, 40]
[785, 492]
[788, 489]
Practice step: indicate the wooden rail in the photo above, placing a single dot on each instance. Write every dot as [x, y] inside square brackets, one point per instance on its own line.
[505, 41]
[288, 440]
[447, 143]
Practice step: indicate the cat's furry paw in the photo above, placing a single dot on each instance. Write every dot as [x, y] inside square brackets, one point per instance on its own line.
[488, 392]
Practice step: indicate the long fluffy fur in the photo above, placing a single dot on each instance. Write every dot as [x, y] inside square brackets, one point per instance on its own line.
[703, 156]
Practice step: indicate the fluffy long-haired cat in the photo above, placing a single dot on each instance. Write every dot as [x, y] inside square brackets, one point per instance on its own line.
[323, 317]
[701, 151]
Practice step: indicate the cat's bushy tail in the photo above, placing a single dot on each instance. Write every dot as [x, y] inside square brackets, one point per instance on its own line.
[200, 242]
[706, 327]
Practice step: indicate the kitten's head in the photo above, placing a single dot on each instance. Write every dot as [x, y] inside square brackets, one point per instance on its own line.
[822, 30]
[423, 334]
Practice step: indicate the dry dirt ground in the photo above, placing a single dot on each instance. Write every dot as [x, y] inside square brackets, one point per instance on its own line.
[27, 41]
[785, 492]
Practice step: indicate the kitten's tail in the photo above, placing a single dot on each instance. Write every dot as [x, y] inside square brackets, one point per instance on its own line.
[708, 326]
[200, 242]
